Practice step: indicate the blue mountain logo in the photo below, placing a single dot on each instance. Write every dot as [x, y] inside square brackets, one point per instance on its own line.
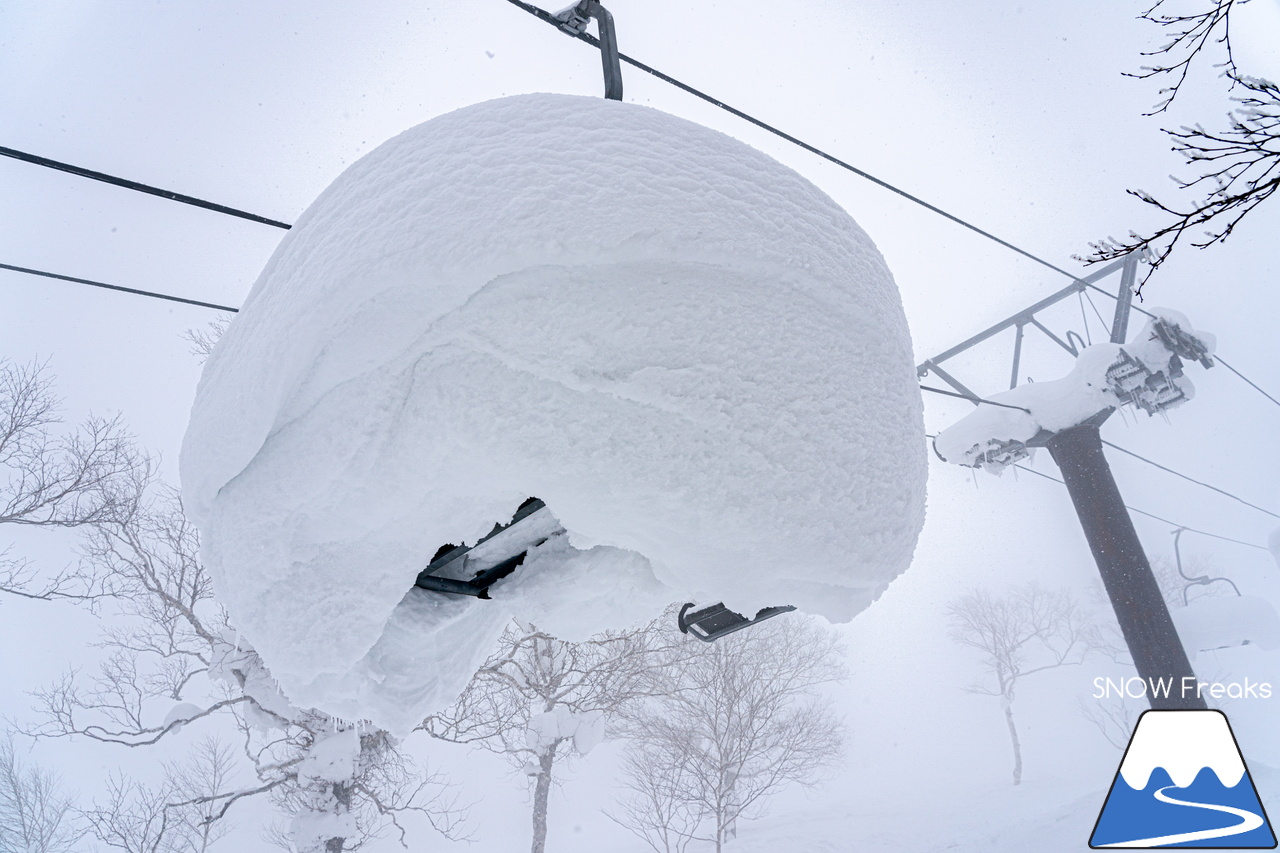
[1183, 783]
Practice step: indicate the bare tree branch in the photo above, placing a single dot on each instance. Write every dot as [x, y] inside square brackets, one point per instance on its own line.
[1189, 37]
[1025, 631]
[1235, 170]
[35, 815]
[202, 340]
[733, 722]
[170, 643]
[536, 699]
[92, 475]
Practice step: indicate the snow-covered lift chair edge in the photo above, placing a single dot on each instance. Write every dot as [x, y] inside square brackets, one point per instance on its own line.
[447, 556]
[707, 624]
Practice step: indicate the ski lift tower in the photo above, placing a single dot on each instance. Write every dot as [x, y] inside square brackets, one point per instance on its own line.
[1144, 374]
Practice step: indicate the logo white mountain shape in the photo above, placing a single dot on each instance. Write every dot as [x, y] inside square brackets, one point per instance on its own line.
[1183, 743]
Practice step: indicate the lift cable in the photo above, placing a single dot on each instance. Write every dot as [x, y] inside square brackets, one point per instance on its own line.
[972, 398]
[132, 290]
[138, 187]
[1221, 361]
[1172, 524]
[975, 399]
[592, 40]
[547, 17]
[1190, 479]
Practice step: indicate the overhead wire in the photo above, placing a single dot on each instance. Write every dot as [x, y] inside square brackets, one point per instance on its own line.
[138, 187]
[1223, 362]
[1172, 524]
[151, 293]
[1191, 479]
[548, 18]
[973, 398]
[591, 40]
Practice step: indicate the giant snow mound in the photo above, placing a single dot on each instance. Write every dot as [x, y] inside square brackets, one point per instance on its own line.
[689, 352]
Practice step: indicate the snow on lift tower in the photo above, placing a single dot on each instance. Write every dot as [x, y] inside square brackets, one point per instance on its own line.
[1064, 415]
[712, 399]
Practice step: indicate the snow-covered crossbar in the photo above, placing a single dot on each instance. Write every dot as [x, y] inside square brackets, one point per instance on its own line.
[1146, 373]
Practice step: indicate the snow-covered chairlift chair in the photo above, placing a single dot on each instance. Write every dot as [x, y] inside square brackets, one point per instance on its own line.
[472, 570]
[1219, 622]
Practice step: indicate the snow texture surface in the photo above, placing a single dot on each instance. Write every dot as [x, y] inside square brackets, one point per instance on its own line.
[586, 730]
[689, 352]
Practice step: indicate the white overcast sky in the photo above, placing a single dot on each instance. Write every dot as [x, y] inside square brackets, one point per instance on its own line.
[1011, 114]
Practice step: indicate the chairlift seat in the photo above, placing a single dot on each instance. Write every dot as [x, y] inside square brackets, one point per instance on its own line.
[472, 570]
[711, 623]
[1223, 621]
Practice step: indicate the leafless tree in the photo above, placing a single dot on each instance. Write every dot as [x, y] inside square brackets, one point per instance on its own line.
[538, 700]
[35, 815]
[1027, 630]
[90, 475]
[1235, 169]
[202, 340]
[169, 642]
[664, 805]
[173, 660]
[175, 816]
[731, 724]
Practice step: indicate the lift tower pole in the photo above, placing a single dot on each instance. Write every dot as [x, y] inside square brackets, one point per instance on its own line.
[1135, 596]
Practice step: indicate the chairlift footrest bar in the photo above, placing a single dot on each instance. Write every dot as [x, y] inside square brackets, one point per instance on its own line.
[711, 623]
[478, 585]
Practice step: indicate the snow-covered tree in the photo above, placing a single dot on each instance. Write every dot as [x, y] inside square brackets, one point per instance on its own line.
[171, 660]
[1232, 170]
[539, 701]
[731, 724]
[90, 475]
[173, 816]
[1026, 630]
[36, 816]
